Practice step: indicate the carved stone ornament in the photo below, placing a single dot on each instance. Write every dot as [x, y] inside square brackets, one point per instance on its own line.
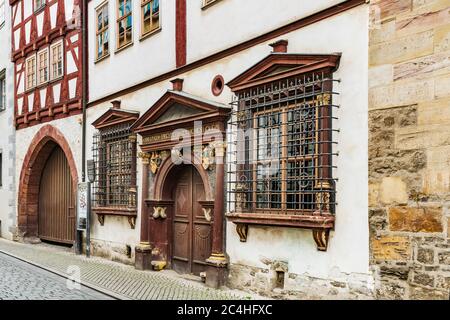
[132, 222]
[159, 212]
[219, 148]
[321, 237]
[145, 157]
[323, 201]
[155, 162]
[325, 99]
[207, 157]
[242, 119]
[242, 231]
[207, 214]
[101, 219]
[241, 196]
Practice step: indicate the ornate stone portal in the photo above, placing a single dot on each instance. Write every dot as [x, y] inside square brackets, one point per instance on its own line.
[166, 234]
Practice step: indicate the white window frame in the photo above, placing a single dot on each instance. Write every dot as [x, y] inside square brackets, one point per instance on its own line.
[124, 18]
[38, 66]
[104, 31]
[52, 46]
[144, 3]
[27, 71]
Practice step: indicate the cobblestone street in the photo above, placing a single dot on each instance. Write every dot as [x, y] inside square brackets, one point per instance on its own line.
[25, 281]
[22, 281]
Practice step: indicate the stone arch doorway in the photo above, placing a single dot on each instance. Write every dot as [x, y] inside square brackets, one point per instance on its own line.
[47, 187]
[190, 227]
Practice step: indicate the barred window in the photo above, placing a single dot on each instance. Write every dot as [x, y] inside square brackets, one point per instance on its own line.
[281, 148]
[114, 155]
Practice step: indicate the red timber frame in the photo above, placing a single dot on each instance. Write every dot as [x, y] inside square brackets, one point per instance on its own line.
[30, 107]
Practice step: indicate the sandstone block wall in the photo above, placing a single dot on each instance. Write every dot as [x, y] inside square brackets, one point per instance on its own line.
[409, 148]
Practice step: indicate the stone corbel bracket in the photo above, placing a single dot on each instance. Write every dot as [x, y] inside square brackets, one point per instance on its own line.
[101, 219]
[319, 224]
[242, 231]
[132, 222]
[321, 237]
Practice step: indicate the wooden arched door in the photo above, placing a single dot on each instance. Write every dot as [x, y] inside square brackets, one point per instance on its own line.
[56, 200]
[192, 238]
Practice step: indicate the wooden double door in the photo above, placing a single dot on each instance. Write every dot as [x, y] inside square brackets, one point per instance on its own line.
[192, 238]
[56, 221]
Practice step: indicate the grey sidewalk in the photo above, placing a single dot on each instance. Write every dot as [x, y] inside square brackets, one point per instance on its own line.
[116, 279]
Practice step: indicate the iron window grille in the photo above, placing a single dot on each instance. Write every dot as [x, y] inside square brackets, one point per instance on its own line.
[280, 148]
[114, 155]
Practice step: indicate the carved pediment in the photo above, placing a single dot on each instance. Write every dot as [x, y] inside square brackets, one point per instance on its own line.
[177, 107]
[176, 111]
[278, 66]
[115, 116]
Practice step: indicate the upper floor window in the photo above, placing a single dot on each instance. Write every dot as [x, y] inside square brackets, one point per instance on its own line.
[2, 90]
[38, 4]
[124, 23]
[102, 33]
[150, 16]
[30, 72]
[2, 12]
[42, 75]
[56, 60]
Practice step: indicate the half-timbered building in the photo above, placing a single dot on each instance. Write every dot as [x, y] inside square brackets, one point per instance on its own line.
[46, 52]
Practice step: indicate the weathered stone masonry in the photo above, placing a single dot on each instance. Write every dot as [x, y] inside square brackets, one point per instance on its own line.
[409, 149]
